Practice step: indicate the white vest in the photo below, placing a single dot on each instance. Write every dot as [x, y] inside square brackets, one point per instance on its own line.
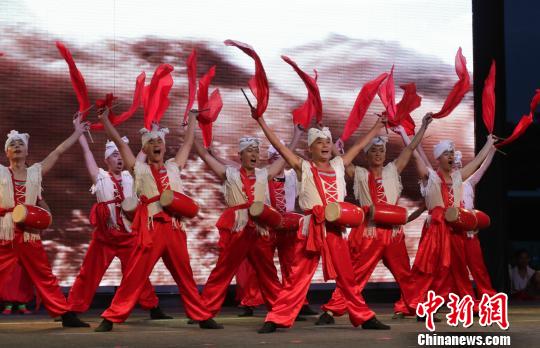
[7, 198]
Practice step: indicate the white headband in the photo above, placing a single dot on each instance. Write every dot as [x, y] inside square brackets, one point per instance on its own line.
[14, 135]
[378, 140]
[272, 150]
[441, 147]
[458, 156]
[110, 147]
[315, 133]
[246, 142]
[156, 132]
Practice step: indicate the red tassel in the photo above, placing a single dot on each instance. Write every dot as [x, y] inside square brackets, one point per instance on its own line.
[258, 83]
[192, 82]
[313, 104]
[488, 100]
[209, 107]
[387, 94]
[155, 95]
[77, 80]
[361, 105]
[460, 88]
[524, 123]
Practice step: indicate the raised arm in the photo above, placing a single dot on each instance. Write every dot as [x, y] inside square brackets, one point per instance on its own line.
[89, 159]
[406, 153]
[361, 142]
[224, 161]
[112, 133]
[477, 176]
[141, 156]
[216, 166]
[183, 153]
[422, 164]
[289, 156]
[48, 163]
[276, 167]
[473, 165]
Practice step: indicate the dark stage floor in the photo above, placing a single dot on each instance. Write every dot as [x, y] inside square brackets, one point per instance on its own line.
[41, 331]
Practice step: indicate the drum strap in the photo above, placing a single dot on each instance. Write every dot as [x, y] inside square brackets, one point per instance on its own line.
[246, 185]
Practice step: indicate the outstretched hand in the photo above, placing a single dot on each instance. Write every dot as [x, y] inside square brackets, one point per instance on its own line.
[80, 126]
[427, 119]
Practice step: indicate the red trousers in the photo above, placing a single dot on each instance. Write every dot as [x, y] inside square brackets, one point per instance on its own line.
[18, 287]
[235, 248]
[96, 261]
[293, 295]
[170, 244]
[366, 256]
[475, 262]
[248, 288]
[34, 261]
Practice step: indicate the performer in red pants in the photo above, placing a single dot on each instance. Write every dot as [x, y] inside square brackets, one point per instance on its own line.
[322, 181]
[112, 236]
[21, 184]
[17, 290]
[240, 237]
[438, 248]
[160, 235]
[378, 185]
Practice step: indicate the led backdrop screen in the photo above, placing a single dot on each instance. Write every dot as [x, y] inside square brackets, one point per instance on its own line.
[348, 42]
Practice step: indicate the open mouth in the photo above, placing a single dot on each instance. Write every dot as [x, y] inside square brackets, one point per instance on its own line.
[253, 161]
[157, 152]
[325, 152]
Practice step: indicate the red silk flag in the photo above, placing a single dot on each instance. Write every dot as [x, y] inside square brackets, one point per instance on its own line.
[209, 108]
[258, 84]
[109, 98]
[488, 99]
[409, 102]
[387, 94]
[361, 105]
[77, 80]
[524, 123]
[461, 87]
[156, 95]
[313, 104]
[192, 82]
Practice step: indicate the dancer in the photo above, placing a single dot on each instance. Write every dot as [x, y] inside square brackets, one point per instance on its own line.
[21, 184]
[160, 235]
[112, 236]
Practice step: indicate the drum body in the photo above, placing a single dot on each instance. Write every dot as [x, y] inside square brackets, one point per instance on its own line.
[290, 222]
[32, 216]
[387, 214]
[483, 219]
[178, 204]
[344, 214]
[461, 218]
[265, 215]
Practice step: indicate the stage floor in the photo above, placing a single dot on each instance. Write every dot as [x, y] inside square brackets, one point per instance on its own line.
[41, 331]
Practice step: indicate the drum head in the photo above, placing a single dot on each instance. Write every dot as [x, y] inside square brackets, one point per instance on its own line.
[332, 212]
[130, 204]
[19, 214]
[166, 198]
[451, 214]
[256, 208]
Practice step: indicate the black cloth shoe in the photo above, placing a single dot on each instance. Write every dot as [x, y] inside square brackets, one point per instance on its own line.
[191, 322]
[246, 312]
[423, 319]
[299, 318]
[306, 310]
[398, 315]
[210, 324]
[71, 319]
[325, 319]
[105, 326]
[268, 327]
[374, 324]
[157, 314]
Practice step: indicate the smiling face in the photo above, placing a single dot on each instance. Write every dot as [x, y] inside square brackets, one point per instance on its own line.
[446, 161]
[115, 163]
[321, 150]
[17, 150]
[249, 157]
[154, 150]
[376, 155]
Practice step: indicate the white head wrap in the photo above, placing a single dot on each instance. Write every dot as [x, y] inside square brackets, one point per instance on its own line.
[378, 140]
[458, 156]
[246, 142]
[14, 135]
[272, 150]
[441, 147]
[156, 132]
[110, 146]
[315, 133]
